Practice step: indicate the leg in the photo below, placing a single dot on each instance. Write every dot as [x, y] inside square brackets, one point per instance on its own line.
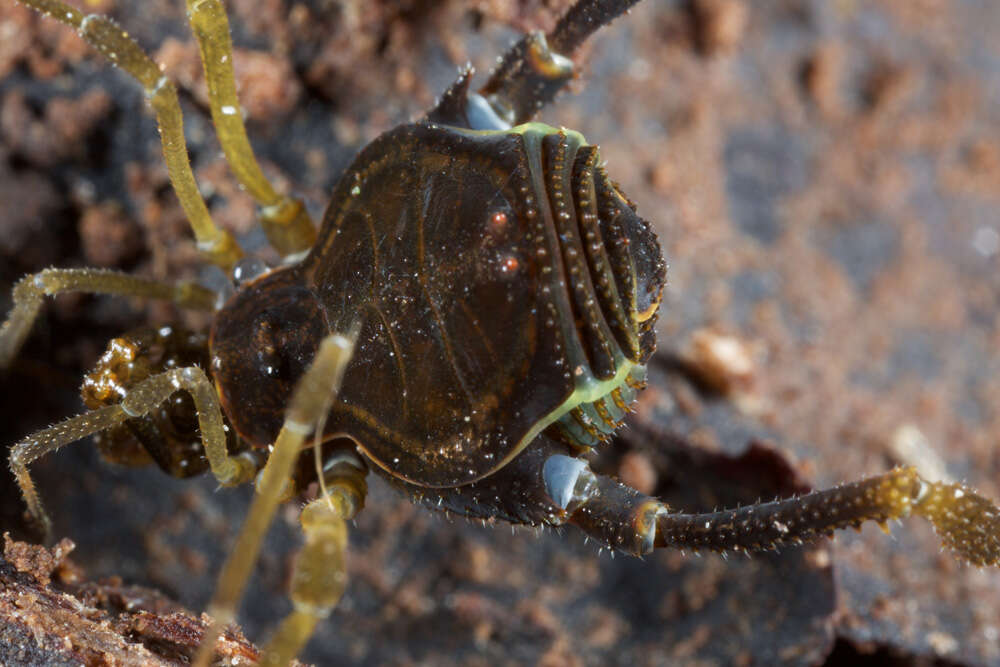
[535, 69]
[143, 398]
[102, 33]
[546, 484]
[320, 574]
[626, 519]
[309, 404]
[30, 291]
[285, 220]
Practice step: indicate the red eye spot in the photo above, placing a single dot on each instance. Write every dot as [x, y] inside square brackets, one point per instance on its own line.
[498, 220]
[510, 265]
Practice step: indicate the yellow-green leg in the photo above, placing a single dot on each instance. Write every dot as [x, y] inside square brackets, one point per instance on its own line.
[102, 33]
[320, 574]
[141, 399]
[285, 219]
[309, 404]
[31, 291]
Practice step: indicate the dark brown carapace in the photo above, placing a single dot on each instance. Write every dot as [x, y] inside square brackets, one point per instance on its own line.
[473, 316]
[472, 337]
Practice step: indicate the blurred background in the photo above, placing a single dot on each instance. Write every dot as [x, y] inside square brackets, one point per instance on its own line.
[825, 181]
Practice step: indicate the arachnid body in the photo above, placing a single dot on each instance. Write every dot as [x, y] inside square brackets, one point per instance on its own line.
[287, 340]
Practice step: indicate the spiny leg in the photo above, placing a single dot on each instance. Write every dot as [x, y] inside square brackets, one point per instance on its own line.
[31, 291]
[547, 483]
[310, 402]
[102, 33]
[623, 518]
[285, 219]
[966, 522]
[534, 70]
[141, 399]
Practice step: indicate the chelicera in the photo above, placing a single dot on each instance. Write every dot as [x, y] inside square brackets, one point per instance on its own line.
[474, 314]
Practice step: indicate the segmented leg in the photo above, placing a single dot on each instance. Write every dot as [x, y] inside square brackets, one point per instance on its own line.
[534, 70]
[548, 484]
[623, 518]
[285, 219]
[141, 399]
[320, 574]
[309, 404]
[31, 291]
[584, 19]
[218, 245]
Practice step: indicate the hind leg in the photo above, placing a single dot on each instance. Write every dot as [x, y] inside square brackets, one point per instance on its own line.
[535, 69]
[529, 74]
[547, 484]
